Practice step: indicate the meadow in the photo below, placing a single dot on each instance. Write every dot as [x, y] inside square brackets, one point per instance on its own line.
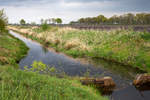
[124, 46]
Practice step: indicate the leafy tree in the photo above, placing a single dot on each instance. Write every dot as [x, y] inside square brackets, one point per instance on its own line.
[22, 22]
[3, 21]
[58, 20]
[101, 19]
[130, 18]
[81, 20]
[147, 18]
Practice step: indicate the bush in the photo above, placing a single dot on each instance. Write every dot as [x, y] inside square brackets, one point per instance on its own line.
[2, 25]
[44, 26]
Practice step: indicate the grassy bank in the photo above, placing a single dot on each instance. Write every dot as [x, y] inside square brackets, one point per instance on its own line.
[124, 46]
[19, 85]
[11, 49]
[16, 84]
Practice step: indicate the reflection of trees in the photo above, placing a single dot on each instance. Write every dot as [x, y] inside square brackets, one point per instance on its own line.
[115, 68]
[45, 50]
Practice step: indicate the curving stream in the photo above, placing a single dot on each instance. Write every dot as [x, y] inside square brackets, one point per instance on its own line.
[122, 75]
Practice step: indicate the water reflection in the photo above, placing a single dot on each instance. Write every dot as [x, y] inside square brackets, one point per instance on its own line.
[130, 93]
[45, 50]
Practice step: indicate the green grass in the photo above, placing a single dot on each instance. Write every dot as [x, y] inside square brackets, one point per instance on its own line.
[123, 46]
[20, 85]
[11, 49]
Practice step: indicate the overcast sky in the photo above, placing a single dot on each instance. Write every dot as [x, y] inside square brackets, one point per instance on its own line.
[68, 10]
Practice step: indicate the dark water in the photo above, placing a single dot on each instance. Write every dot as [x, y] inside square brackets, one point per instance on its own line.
[122, 75]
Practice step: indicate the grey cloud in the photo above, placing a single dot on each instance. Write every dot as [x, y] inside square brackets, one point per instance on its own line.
[132, 5]
[116, 5]
[112, 5]
[24, 2]
[70, 8]
[121, 5]
[84, 1]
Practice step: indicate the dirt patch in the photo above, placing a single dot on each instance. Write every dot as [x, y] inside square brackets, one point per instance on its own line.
[3, 50]
[3, 59]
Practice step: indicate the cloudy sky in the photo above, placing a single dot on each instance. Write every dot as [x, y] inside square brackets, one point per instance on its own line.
[68, 10]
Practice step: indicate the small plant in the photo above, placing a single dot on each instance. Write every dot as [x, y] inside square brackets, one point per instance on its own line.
[40, 67]
[87, 73]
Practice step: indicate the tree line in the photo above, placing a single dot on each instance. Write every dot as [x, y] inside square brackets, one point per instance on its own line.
[52, 21]
[44, 21]
[125, 19]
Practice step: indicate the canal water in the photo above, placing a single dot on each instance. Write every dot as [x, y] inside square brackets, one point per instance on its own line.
[122, 75]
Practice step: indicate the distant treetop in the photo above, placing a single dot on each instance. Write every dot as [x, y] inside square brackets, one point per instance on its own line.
[22, 22]
[125, 19]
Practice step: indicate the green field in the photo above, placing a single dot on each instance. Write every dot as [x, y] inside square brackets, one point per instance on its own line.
[123, 46]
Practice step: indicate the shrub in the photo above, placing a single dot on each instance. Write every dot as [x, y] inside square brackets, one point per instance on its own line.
[44, 26]
[2, 25]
